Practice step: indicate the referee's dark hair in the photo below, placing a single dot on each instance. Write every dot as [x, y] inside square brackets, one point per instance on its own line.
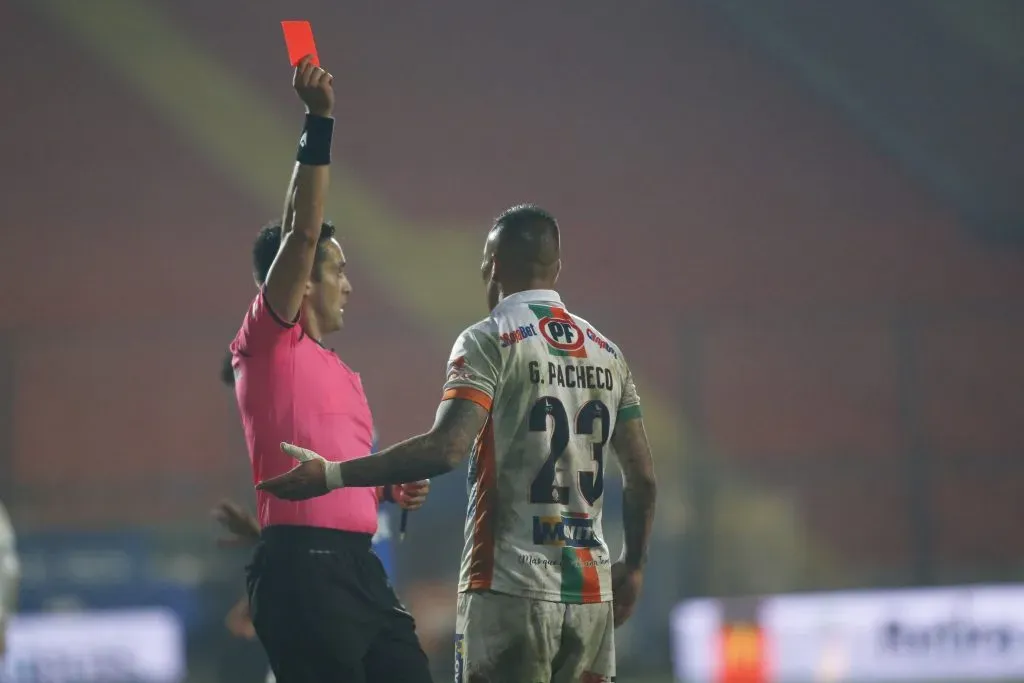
[268, 243]
[264, 251]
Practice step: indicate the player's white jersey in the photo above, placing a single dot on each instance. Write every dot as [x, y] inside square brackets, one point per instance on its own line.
[555, 389]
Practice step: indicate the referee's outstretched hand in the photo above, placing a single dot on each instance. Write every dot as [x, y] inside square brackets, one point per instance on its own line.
[306, 480]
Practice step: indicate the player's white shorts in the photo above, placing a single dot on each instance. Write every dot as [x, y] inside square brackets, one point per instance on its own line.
[506, 639]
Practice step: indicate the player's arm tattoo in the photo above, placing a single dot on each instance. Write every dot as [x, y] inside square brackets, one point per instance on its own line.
[639, 489]
[440, 450]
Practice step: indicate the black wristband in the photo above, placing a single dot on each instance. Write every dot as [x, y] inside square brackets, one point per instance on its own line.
[315, 143]
[389, 493]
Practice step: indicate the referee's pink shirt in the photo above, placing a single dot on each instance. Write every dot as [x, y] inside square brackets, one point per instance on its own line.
[290, 388]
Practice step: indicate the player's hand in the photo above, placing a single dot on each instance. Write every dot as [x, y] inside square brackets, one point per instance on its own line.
[411, 496]
[239, 621]
[242, 527]
[313, 85]
[307, 480]
[627, 583]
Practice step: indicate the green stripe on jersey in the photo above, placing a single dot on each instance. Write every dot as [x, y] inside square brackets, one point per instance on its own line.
[572, 576]
[541, 311]
[628, 413]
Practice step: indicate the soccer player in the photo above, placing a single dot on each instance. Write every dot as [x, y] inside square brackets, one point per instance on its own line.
[10, 573]
[321, 603]
[538, 394]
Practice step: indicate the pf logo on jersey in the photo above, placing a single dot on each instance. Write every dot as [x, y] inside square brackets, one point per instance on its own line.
[560, 331]
[564, 335]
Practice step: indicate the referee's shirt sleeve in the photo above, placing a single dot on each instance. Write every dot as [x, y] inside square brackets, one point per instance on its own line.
[262, 330]
[473, 368]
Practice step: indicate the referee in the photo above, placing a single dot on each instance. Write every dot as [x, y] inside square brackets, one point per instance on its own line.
[321, 602]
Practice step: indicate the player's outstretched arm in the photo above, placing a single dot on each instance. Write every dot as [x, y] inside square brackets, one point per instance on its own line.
[306, 196]
[440, 450]
[638, 496]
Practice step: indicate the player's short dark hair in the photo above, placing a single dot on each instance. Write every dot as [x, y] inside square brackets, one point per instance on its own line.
[268, 243]
[527, 241]
[524, 218]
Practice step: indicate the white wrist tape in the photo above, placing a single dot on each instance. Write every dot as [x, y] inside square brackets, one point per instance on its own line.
[332, 470]
[332, 475]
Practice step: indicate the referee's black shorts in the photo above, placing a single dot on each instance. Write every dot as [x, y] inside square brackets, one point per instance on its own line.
[325, 611]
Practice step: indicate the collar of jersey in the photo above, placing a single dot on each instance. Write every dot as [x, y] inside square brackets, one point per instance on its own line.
[529, 296]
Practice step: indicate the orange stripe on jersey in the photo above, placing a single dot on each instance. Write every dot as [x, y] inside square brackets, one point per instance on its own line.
[470, 394]
[591, 590]
[481, 556]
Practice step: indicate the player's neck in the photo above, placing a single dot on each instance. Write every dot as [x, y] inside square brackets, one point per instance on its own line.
[527, 286]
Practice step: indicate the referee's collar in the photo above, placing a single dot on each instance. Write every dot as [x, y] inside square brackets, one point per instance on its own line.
[528, 296]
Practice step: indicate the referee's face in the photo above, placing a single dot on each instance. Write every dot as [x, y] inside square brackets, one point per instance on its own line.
[329, 289]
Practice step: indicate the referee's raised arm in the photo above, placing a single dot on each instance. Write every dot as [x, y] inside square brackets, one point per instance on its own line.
[307, 192]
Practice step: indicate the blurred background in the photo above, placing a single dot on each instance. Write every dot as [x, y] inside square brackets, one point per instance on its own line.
[800, 220]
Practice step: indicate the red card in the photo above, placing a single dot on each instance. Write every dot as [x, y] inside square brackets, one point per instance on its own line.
[298, 36]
